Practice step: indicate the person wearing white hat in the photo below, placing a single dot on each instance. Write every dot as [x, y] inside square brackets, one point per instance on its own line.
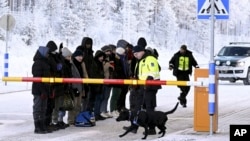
[59, 111]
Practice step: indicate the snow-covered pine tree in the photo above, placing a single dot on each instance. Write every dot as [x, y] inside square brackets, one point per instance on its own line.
[3, 7]
[142, 19]
[70, 27]
[3, 10]
[83, 9]
[165, 25]
[115, 19]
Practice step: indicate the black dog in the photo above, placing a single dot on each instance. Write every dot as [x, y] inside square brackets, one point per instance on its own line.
[146, 119]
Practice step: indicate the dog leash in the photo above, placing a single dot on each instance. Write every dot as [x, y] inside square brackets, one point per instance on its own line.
[136, 118]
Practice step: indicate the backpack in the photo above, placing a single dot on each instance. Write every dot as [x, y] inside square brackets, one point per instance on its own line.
[85, 119]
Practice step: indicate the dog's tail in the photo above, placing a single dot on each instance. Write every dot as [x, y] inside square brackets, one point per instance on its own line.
[173, 110]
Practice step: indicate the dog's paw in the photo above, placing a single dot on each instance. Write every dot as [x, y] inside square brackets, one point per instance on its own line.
[143, 138]
[120, 136]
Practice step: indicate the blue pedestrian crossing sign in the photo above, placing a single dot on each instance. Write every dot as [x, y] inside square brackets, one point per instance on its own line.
[221, 9]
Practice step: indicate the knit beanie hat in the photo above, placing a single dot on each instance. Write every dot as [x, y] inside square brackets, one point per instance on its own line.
[99, 53]
[66, 52]
[184, 47]
[106, 48]
[122, 43]
[113, 47]
[142, 42]
[138, 48]
[77, 53]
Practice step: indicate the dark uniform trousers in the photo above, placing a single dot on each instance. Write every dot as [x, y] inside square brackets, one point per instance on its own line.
[136, 98]
[183, 76]
[150, 99]
[141, 98]
[39, 108]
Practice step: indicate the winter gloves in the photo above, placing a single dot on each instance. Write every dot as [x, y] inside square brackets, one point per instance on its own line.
[197, 66]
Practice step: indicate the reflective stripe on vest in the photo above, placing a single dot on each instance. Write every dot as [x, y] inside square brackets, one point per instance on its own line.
[183, 63]
[148, 67]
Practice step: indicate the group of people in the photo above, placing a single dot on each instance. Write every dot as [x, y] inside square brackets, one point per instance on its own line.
[120, 61]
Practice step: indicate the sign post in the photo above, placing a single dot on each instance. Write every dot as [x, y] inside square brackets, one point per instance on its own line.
[212, 9]
[7, 22]
[211, 96]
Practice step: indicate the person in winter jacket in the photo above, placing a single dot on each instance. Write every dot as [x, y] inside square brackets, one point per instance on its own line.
[77, 70]
[142, 43]
[121, 71]
[40, 91]
[144, 97]
[87, 49]
[58, 89]
[181, 64]
[108, 66]
[55, 62]
[98, 72]
[88, 59]
[59, 111]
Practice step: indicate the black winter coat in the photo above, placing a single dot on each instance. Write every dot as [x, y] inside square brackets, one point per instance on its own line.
[40, 68]
[97, 72]
[67, 73]
[56, 71]
[121, 68]
[174, 62]
[88, 54]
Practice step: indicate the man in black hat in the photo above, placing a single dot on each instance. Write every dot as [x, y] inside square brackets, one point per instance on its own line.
[181, 64]
[144, 97]
[147, 68]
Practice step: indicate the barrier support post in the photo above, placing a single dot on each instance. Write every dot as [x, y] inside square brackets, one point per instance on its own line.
[202, 118]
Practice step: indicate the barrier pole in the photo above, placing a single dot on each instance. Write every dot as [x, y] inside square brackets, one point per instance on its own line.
[6, 66]
[103, 81]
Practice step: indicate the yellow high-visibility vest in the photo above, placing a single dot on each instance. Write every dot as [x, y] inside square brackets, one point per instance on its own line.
[148, 67]
[183, 63]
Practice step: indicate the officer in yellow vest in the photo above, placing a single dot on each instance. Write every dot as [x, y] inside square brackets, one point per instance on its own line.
[147, 68]
[182, 63]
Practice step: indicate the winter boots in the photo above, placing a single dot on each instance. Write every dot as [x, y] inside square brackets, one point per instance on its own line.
[40, 127]
[62, 125]
[183, 101]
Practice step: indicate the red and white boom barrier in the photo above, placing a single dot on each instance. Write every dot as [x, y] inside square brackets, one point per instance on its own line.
[104, 81]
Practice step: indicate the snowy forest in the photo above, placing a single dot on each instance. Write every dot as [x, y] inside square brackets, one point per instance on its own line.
[164, 23]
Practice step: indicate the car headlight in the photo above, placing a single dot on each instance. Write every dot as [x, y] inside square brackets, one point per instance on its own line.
[228, 63]
[217, 63]
[240, 64]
